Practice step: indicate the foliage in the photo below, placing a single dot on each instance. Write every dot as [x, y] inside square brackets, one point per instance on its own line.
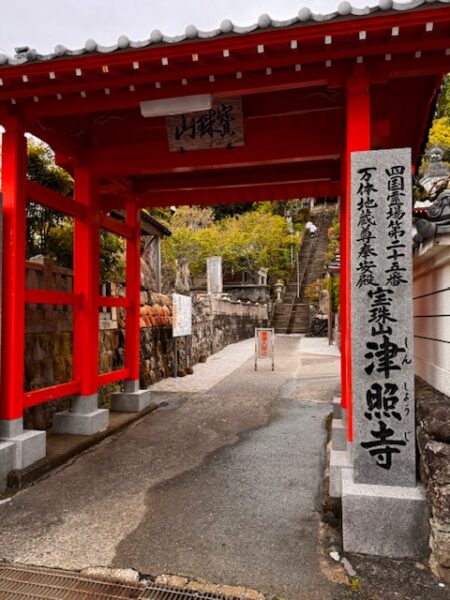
[255, 240]
[335, 292]
[112, 258]
[41, 221]
[288, 208]
[331, 285]
[51, 233]
[333, 241]
[192, 217]
[222, 211]
[439, 134]
[246, 242]
[443, 101]
[314, 289]
[42, 169]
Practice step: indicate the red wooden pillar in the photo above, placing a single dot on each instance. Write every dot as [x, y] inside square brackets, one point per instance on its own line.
[86, 282]
[14, 169]
[343, 289]
[357, 139]
[133, 286]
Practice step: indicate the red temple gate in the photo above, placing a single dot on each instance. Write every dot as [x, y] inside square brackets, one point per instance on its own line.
[312, 89]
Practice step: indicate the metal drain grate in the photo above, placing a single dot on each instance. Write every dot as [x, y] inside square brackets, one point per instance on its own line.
[19, 582]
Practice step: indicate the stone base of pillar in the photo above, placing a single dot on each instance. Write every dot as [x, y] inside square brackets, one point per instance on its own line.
[84, 418]
[384, 520]
[6, 462]
[337, 408]
[29, 444]
[338, 435]
[339, 461]
[131, 401]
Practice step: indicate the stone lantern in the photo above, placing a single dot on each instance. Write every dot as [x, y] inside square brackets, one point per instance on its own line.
[278, 288]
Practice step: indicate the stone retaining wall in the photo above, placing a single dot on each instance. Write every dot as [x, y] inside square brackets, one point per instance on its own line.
[217, 322]
[433, 434]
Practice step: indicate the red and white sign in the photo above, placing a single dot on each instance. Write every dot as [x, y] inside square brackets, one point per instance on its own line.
[264, 344]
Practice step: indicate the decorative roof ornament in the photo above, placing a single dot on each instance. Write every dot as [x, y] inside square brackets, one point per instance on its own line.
[435, 183]
[437, 175]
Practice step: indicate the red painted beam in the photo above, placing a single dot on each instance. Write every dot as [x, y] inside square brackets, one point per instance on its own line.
[229, 196]
[33, 296]
[292, 139]
[113, 376]
[67, 151]
[241, 178]
[194, 72]
[113, 301]
[226, 85]
[114, 226]
[51, 393]
[51, 199]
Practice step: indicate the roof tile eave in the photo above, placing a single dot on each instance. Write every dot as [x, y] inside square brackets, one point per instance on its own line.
[304, 17]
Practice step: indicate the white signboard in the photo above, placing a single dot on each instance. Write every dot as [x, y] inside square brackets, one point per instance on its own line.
[182, 315]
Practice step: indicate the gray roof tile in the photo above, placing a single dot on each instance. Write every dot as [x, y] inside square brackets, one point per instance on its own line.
[304, 15]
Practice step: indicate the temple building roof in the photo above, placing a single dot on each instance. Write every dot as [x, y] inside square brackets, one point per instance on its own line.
[157, 38]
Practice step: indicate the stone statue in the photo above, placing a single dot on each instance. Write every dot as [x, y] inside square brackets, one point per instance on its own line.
[437, 175]
[183, 275]
[435, 183]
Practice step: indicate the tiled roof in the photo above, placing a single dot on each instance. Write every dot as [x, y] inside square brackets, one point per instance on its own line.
[304, 16]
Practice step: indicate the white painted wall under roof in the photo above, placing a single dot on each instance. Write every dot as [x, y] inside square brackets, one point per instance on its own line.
[431, 302]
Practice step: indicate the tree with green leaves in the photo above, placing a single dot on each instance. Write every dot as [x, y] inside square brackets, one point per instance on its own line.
[246, 242]
[439, 133]
[43, 222]
[51, 233]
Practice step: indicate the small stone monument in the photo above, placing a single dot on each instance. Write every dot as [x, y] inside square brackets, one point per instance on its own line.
[182, 276]
[214, 275]
[383, 509]
[262, 276]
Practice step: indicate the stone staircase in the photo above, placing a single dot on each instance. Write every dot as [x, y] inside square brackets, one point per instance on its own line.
[293, 314]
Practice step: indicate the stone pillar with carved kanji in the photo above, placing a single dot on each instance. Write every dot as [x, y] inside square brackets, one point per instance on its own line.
[214, 275]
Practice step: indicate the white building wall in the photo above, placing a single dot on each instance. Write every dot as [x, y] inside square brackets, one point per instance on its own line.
[431, 302]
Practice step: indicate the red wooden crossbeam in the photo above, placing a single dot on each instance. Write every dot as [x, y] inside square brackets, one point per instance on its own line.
[34, 296]
[113, 376]
[245, 65]
[115, 226]
[51, 393]
[112, 301]
[51, 199]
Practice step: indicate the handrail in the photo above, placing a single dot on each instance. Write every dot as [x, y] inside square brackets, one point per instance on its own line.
[272, 315]
[300, 283]
[308, 256]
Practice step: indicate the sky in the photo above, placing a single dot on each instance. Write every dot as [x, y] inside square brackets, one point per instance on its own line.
[41, 24]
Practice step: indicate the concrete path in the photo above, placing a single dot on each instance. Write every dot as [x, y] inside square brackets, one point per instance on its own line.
[222, 485]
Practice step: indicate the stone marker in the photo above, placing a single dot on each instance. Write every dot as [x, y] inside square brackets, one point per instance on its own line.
[214, 274]
[382, 326]
[383, 509]
[182, 275]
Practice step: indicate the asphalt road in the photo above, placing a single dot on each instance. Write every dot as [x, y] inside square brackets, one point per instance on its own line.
[222, 484]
